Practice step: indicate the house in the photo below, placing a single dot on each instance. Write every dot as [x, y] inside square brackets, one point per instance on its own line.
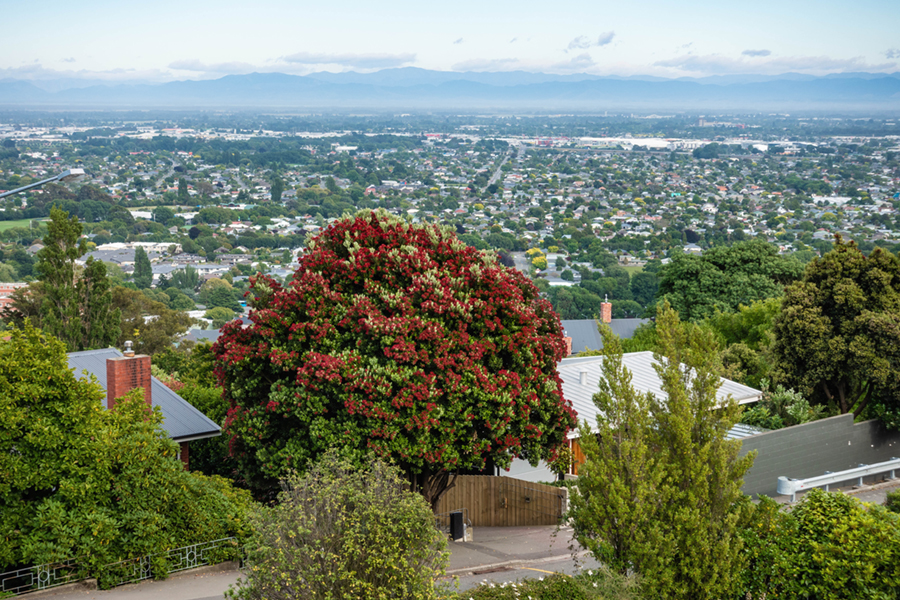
[584, 334]
[119, 373]
[581, 380]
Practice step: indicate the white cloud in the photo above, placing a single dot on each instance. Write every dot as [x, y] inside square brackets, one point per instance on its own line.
[68, 60]
[459, 41]
[892, 53]
[716, 64]
[582, 42]
[36, 72]
[488, 64]
[228, 68]
[578, 63]
[359, 61]
[514, 40]
[756, 52]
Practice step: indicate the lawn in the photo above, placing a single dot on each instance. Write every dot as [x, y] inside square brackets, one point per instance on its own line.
[4, 225]
[633, 270]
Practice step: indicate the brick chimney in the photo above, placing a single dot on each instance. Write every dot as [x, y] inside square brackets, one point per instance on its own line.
[568, 341]
[124, 373]
[606, 310]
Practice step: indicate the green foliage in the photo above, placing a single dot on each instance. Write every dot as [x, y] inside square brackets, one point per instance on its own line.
[837, 339]
[725, 277]
[599, 584]
[149, 335]
[143, 271]
[892, 502]
[659, 489]
[95, 485]
[398, 340]
[781, 408]
[74, 306]
[219, 315]
[340, 532]
[830, 546]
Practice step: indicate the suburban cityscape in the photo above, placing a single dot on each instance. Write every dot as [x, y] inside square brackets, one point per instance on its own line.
[476, 302]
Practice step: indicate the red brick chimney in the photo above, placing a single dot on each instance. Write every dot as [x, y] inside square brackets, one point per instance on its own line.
[606, 310]
[568, 341]
[124, 373]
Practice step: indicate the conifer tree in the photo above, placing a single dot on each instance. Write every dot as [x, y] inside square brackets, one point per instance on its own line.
[143, 272]
[75, 304]
[660, 489]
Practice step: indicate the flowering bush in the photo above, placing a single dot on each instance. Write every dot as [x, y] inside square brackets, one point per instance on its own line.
[398, 340]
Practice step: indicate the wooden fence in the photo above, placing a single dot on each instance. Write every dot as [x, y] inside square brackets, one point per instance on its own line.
[504, 501]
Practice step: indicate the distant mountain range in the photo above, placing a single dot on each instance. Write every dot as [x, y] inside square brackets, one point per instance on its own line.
[419, 89]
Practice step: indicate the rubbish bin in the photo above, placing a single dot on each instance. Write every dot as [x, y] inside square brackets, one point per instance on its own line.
[457, 526]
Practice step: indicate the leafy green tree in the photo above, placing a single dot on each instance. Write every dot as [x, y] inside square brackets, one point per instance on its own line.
[837, 339]
[678, 531]
[644, 286]
[341, 531]
[150, 325]
[219, 315]
[143, 272]
[396, 339]
[163, 214]
[74, 306]
[725, 277]
[77, 475]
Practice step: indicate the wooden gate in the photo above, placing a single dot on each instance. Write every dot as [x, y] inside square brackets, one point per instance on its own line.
[504, 501]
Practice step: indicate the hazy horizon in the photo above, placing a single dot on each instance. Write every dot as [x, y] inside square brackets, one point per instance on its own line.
[101, 40]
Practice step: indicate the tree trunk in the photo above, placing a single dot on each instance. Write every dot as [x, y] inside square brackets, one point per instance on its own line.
[433, 484]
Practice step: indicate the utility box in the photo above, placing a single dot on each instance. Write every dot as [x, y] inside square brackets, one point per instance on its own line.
[457, 526]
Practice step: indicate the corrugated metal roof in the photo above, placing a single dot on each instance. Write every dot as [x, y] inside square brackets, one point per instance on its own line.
[585, 336]
[581, 380]
[182, 421]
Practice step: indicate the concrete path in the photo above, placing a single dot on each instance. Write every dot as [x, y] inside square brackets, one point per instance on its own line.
[495, 553]
[198, 584]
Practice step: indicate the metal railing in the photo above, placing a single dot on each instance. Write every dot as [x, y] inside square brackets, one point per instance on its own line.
[786, 485]
[42, 577]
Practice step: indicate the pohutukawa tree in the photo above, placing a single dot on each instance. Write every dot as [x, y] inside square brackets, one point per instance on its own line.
[398, 340]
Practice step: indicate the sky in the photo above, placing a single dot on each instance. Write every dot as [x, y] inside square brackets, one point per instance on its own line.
[167, 40]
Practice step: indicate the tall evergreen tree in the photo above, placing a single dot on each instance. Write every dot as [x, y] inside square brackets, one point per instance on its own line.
[659, 491]
[74, 304]
[143, 272]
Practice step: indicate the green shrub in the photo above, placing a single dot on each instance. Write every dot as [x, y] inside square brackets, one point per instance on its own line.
[343, 532]
[600, 584]
[829, 547]
[893, 501]
[93, 485]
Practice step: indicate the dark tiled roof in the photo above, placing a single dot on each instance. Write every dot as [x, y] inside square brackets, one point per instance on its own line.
[585, 336]
[182, 421]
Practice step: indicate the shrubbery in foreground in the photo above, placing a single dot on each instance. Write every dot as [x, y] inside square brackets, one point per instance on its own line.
[92, 485]
[344, 532]
[599, 584]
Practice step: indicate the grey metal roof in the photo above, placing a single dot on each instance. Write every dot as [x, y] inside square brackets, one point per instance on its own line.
[585, 336]
[579, 389]
[182, 421]
[202, 335]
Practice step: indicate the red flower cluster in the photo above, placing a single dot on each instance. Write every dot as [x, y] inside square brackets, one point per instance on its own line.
[398, 339]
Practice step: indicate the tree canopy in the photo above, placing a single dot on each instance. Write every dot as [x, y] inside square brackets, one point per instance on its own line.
[725, 277]
[399, 340]
[70, 303]
[659, 489]
[99, 486]
[837, 339]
